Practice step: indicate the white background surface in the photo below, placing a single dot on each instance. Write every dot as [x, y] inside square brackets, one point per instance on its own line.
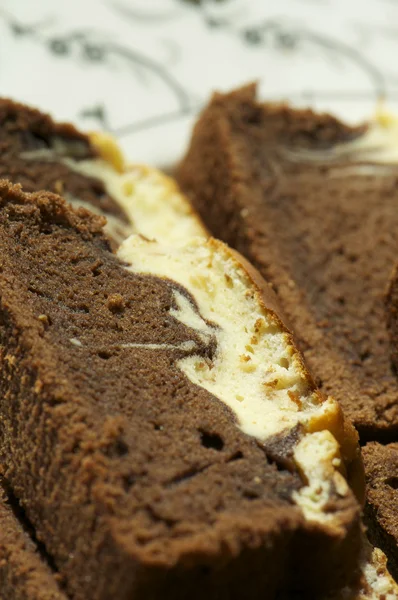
[143, 68]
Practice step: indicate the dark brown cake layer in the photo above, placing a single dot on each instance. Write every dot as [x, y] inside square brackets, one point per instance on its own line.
[24, 574]
[322, 230]
[137, 482]
[381, 464]
[32, 152]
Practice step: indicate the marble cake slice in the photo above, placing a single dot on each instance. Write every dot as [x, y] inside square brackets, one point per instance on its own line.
[24, 573]
[90, 170]
[313, 204]
[162, 435]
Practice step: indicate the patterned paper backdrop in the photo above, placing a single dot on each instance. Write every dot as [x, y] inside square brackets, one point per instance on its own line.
[143, 68]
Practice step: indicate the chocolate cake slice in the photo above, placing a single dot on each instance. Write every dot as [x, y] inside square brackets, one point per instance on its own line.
[24, 573]
[91, 171]
[313, 204]
[131, 425]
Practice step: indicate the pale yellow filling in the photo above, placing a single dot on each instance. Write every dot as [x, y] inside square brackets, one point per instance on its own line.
[152, 202]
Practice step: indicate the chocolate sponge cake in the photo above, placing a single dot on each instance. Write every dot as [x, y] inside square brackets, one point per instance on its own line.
[313, 204]
[157, 450]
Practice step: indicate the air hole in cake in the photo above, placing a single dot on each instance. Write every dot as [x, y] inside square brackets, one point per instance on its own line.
[158, 427]
[237, 456]
[98, 189]
[280, 463]
[318, 382]
[96, 271]
[392, 482]
[364, 355]
[104, 355]
[117, 449]
[250, 494]
[76, 447]
[128, 482]
[211, 440]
